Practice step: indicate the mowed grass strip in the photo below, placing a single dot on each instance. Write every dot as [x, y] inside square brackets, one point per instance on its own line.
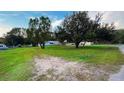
[97, 54]
[16, 64]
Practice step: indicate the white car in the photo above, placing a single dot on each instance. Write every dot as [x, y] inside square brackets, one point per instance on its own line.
[3, 46]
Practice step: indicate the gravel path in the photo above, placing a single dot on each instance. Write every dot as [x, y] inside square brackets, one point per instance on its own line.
[54, 68]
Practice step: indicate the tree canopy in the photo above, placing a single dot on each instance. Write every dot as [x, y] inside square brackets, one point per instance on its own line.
[39, 30]
[76, 27]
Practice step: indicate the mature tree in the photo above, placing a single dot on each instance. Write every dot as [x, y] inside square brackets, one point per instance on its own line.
[15, 37]
[44, 30]
[39, 31]
[77, 26]
[12, 40]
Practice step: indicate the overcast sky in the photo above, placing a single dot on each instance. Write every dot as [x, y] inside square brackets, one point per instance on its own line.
[10, 19]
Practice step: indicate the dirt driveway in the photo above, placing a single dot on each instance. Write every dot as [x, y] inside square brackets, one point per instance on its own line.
[54, 68]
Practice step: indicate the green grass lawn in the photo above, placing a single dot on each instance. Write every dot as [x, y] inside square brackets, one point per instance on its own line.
[98, 54]
[16, 64]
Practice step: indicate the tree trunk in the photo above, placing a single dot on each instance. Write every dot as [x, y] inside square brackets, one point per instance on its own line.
[84, 43]
[77, 45]
[40, 45]
[43, 45]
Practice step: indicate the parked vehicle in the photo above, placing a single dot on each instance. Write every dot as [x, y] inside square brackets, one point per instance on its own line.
[3, 47]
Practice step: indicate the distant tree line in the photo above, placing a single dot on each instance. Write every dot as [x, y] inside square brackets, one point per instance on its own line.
[76, 27]
[15, 37]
